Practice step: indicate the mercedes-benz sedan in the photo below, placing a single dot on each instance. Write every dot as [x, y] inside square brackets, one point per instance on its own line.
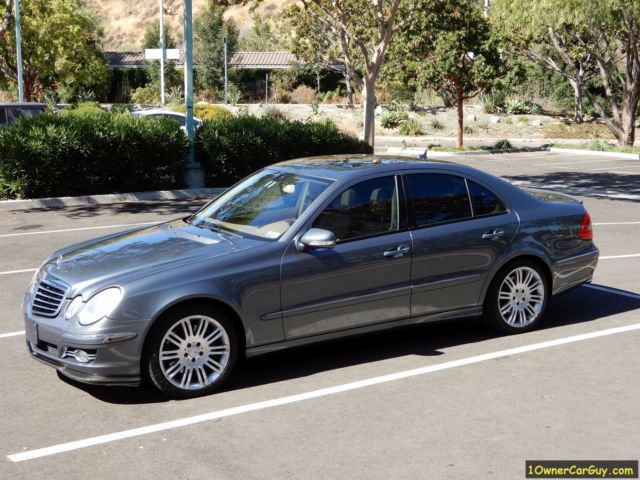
[299, 252]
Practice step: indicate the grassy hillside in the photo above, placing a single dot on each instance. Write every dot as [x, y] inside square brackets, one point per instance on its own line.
[124, 21]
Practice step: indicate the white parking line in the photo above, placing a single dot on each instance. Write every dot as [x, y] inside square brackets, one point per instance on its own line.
[612, 257]
[11, 334]
[10, 272]
[615, 291]
[43, 232]
[323, 392]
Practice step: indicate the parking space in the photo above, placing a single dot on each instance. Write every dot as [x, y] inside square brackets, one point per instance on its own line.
[445, 401]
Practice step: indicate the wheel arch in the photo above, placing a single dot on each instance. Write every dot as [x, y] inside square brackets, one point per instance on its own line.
[534, 257]
[231, 312]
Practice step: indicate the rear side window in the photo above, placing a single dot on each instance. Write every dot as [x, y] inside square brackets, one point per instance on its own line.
[438, 198]
[484, 202]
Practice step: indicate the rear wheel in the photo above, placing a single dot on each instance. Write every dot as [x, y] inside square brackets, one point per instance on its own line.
[517, 298]
[190, 352]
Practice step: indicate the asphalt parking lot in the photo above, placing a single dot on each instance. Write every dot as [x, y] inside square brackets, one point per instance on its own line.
[446, 401]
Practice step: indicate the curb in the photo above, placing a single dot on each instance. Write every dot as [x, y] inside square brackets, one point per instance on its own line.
[630, 156]
[57, 202]
[437, 153]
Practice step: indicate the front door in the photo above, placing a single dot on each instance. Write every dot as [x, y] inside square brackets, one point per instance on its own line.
[364, 279]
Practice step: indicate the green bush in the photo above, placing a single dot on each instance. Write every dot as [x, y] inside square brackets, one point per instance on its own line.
[410, 127]
[503, 144]
[231, 148]
[394, 116]
[78, 154]
[206, 111]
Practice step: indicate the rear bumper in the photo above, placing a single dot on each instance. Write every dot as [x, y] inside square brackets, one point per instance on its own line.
[574, 270]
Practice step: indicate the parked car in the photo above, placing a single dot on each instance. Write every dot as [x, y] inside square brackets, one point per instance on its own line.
[177, 116]
[300, 252]
[10, 112]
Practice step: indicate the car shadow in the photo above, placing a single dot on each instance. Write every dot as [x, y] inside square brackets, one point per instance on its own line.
[620, 183]
[580, 305]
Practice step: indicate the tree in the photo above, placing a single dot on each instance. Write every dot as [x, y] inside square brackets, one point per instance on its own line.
[361, 31]
[542, 35]
[61, 46]
[599, 39]
[450, 46]
[265, 36]
[315, 46]
[7, 16]
[209, 30]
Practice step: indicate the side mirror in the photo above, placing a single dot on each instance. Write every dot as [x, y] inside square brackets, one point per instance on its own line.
[316, 238]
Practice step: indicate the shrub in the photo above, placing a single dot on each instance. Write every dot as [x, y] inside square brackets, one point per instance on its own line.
[83, 109]
[146, 95]
[303, 94]
[503, 144]
[79, 154]
[394, 116]
[436, 125]
[231, 148]
[468, 130]
[274, 113]
[515, 106]
[493, 102]
[410, 127]
[206, 111]
[234, 93]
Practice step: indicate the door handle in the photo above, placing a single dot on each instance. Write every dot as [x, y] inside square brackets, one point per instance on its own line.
[494, 235]
[398, 251]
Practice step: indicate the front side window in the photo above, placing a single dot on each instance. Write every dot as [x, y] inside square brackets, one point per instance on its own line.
[438, 198]
[484, 202]
[264, 205]
[367, 208]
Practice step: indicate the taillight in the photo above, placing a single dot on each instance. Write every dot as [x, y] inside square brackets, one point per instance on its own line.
[585, 232]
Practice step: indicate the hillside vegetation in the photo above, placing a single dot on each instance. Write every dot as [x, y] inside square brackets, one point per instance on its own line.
[124, 21]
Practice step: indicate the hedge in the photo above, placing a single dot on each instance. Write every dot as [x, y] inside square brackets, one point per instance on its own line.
[86, 151]
[232, 148]
[75, 154]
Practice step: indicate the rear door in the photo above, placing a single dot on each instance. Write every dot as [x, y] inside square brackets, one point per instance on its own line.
[459, 228]
[364, 279]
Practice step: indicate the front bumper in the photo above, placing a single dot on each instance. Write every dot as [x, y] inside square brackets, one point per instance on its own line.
[111, 350]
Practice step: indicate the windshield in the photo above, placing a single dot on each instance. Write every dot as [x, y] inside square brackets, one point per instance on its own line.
[264, 205]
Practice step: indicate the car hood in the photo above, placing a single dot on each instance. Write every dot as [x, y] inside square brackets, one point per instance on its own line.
[121, 258]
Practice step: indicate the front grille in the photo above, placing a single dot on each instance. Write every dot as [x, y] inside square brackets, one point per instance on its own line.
[48, 297]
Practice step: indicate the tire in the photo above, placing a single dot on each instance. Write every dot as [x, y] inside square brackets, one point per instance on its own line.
[517, 298]
[190, 351]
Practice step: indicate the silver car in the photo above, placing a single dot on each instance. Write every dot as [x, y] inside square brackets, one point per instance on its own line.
[299, 252]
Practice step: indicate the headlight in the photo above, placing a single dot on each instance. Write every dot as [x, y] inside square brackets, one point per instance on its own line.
[99, 306]
[74, 307]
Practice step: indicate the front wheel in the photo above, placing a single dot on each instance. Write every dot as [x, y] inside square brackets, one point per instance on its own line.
[190, 352]
[517, 298]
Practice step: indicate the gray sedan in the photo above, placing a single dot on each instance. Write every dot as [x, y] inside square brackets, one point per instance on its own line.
[300, 252]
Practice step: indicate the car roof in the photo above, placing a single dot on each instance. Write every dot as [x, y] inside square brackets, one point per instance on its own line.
[23, 104]
[339, 167]
[150, 112]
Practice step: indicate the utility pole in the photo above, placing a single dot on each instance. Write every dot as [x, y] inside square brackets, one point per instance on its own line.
[485, 9]
[266, 88]
[226, 76]
[162, 55]
[19, 52]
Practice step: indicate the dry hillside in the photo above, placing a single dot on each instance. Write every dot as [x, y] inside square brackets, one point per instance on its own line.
[124, 21]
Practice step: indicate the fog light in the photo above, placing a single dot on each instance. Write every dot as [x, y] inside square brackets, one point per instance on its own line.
[81, 356]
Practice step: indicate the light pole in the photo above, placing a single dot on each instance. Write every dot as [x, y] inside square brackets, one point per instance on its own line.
[162, 54]
[194, 175]
[19, 52]
[226, 78]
